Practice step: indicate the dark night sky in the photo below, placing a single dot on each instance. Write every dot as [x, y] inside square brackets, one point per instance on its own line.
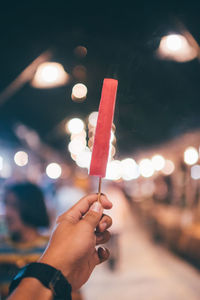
[156, 99]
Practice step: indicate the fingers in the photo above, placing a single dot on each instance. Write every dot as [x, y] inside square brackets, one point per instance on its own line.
[75, 213]
[102, 255]
[102, 238]
[104, 223]
[94, 215]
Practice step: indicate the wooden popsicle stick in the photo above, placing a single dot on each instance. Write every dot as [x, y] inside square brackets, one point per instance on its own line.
[99, 189]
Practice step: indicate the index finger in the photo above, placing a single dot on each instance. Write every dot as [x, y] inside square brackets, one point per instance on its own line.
[76, 212]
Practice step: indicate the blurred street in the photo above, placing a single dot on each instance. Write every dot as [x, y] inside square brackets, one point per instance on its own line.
[145, 271]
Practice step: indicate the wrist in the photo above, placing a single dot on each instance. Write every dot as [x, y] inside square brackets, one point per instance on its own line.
[50, 277]
[53, 262]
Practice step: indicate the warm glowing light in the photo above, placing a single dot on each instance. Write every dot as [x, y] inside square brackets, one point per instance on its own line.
[174, 42]
[191, 156]
[80, 51]
[75, 126]
[21, 158]
[113, 170]
[53, 170]
[158, 162]
[92, 119]
[49, 75]
[195, 172]
[146, 167]
[176, 47]
[168, 167]
[76, 146]
[6, 172]
[1, 163]
[79, 92]
[82, 135]
[129, 169]
[84, 158]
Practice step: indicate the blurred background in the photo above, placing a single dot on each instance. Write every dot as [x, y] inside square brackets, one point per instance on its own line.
[54, 57]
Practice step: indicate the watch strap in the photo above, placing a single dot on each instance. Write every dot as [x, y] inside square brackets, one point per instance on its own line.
[49, 276]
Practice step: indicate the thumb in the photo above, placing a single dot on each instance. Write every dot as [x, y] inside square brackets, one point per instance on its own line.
[94, 214]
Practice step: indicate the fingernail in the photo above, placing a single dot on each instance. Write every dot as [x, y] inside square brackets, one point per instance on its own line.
[103, 226]
[96, 206]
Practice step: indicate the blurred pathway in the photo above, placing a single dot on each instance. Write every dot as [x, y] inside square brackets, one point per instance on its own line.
[146, 271]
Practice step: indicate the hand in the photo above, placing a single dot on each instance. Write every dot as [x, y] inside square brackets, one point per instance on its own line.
[72, 247]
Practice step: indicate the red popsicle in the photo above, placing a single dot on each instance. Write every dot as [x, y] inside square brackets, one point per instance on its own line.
[103, 129]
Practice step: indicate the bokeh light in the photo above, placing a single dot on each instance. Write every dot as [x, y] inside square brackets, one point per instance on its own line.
[81, 134]
[79, 92]
[146, 167]
[49, 75]
[168, 167]
[76, 146]
[53, 170]
[92, 119]
[84, 158]
[1, 163]
[113, 170]
[129, 169]
[191, 156]
[174, 42]
[176, 47]
[75, 126]
[158, 162]
[21, 158]
[195, 172]
[80, 51]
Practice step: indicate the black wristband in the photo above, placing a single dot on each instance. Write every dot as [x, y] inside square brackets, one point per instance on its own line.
[49, 276]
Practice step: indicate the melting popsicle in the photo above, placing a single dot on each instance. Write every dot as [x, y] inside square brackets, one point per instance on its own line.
[103, 129]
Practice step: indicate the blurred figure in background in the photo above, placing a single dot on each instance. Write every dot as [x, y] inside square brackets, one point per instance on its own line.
[118, 214]
[25, 216]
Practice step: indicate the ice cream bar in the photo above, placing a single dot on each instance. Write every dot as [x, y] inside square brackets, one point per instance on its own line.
[103, 129]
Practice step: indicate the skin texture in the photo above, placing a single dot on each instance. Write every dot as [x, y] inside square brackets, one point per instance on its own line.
[72, 246]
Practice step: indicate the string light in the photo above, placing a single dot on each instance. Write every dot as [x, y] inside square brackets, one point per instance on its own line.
[191, 156]
[21, 158]
[53, 170]
[146, 168]
[75, 126]
[129, 169]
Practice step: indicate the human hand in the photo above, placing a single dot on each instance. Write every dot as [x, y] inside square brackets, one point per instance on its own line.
[72, 247]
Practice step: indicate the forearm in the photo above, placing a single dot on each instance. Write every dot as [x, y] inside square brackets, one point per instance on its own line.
[31, 289]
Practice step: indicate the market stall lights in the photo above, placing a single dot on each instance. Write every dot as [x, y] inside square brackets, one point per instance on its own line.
[174, 42]
[129, 169]
[53, 170]
[50, 74]
[76, 146]
[21, 158]
[191, 156]
[176, 47]
[146, 168]
[158, 162]
[92, 119]
[113, 171]
[168, 167]
[195, 172]
[84, 158]
[79, 91]
[75, 126]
